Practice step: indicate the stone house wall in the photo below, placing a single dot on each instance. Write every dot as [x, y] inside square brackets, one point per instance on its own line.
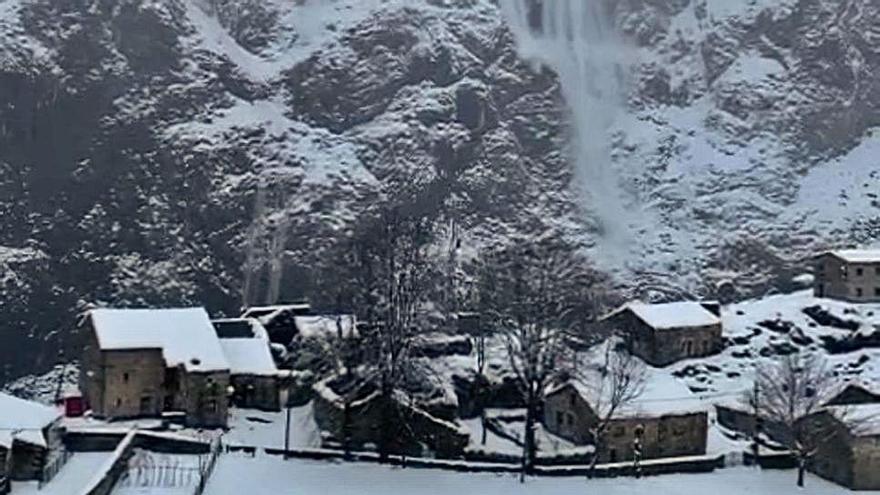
[567, 414]
[666, 346]
[203, 398]
[256, 392]
[838, 279]
[664, 436]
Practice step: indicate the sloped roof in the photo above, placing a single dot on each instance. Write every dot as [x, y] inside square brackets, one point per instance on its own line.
[24, 420]
[682, 314]
[185, 336]
[249, 356]
[857, 255]
[661, 394]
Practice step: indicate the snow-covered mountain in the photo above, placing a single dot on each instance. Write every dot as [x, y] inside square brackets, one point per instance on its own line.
[136, 134]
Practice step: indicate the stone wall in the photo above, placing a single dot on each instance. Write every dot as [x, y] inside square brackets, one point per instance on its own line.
[568, 415]
[837, 279]
[665, 436]
[129, 385]
[256, 392]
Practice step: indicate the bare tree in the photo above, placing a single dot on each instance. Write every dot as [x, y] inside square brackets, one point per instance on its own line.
[614, 385]
[389, 267]
[790, 395]
[533, 294]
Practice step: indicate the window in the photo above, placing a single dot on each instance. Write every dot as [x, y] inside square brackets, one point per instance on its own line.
[876, 291]
[571, 400]
[118, 402]
[125, 377]
[859, 292]
[877, 270]
[571, 420]
[560, 418]
[860, 271]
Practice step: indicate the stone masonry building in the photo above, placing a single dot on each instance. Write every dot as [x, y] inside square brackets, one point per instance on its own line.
[667, 418]
[145, 362]
[662, 334]
[850, 275]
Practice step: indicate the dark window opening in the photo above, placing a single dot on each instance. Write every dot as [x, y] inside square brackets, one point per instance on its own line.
[860, 272]
[125, 377]
[859, 292]
[559, 418]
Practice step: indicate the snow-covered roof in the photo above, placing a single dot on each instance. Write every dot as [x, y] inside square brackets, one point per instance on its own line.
[661, 393]
[249, 356]
[185, 336]
[682, 314]
[24, 420]
[862, 419]
[857, 255]
[326, 325]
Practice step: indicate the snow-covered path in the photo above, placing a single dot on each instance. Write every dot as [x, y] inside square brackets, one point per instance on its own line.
[273, 476]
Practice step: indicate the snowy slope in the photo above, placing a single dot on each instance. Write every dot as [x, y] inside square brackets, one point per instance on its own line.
[135, 135]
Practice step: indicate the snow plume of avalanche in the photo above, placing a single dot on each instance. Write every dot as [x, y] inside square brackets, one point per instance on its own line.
[577, 39]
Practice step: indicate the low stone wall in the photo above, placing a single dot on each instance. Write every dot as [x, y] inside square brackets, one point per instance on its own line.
[103, 441]
[693, 464]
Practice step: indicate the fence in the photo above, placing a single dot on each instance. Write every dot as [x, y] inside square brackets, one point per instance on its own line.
[208, 469]
[52, 467]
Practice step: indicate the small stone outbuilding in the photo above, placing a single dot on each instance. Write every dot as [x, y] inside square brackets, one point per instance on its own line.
[851, 455]
[30, 438]
[663, 334]
[254, 377]
[849, 275]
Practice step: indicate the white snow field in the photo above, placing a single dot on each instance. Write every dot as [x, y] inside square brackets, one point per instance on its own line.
[273, 476]
[71, 480]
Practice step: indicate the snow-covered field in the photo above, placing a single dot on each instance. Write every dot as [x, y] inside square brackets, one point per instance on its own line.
[273, 476]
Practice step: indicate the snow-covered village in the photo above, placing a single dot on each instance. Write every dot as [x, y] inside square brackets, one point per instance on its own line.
[430, 247]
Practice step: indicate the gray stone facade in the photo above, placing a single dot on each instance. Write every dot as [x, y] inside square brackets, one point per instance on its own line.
[848, 275]
[568, 414]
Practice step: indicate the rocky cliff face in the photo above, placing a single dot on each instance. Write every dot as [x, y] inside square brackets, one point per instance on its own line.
[139, 140]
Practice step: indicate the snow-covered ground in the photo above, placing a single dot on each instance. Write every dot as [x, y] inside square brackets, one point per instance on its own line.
[272, 476]
[72, 478]
[266, 429]
[754, 329]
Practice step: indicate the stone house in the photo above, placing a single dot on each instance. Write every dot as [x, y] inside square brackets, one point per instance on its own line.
[850, 275]
[146, 362]
[253, 375]
[30, 438]
[663, 334]
[851, 455]
[668, 420]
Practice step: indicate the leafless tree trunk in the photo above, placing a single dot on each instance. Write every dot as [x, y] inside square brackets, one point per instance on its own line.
[534, 294]
[616, 384]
